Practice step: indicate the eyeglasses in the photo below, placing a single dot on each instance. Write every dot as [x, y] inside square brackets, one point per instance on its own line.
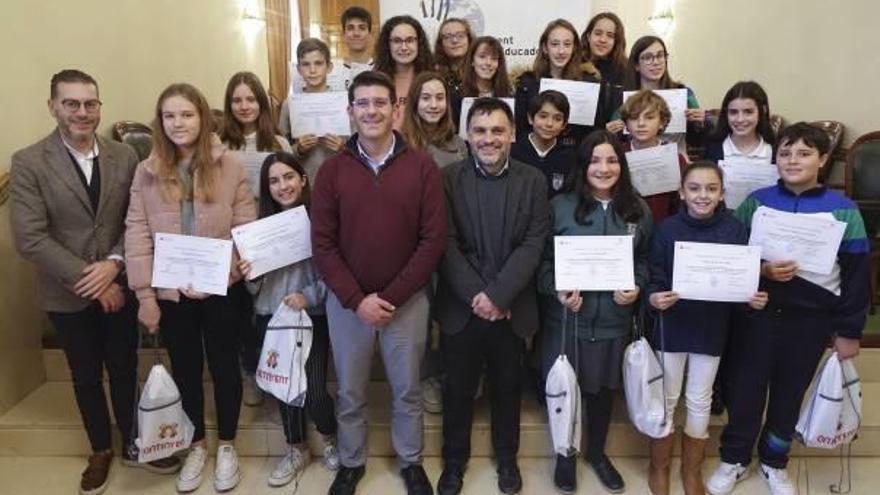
[649, 58]
[364, 103]
[459, 36]
[72, 105]
[412, 40]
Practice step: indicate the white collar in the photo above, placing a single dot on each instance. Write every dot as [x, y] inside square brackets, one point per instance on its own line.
[377, 163]
[542, 154]
[91, 155]
[763, 151]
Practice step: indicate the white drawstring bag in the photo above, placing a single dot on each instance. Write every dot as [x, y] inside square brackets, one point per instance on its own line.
[832, 414]
[163, 426]
[564, 401]
[282, 367]
[643, 387]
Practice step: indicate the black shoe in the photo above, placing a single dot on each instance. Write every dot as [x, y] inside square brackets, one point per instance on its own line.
[509, 479]
[451, 480]
[416, 480]
[565, 475]
[609, 476]
[346, 480]
[168, 465]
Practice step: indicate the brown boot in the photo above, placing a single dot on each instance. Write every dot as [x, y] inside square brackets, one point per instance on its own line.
[658, 470]
[692, 452]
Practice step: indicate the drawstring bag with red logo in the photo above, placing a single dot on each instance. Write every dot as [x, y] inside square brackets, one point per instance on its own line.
[282, 367]
[832, 414]
[163, 426]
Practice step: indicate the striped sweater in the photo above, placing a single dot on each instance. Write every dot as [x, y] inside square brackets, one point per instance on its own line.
[844, 295]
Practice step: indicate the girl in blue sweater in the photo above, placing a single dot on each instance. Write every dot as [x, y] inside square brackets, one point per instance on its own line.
[694, 331]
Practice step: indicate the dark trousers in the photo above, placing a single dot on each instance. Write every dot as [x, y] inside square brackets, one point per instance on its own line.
[595, 420]
[464, 354]
[94, 340]
[319, 404]
[251, 343]
[193, 329]
[779, 350]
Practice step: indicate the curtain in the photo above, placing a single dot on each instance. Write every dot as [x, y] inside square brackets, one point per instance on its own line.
[278, 44]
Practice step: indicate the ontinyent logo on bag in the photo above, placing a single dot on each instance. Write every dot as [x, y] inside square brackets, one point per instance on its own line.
[167, 430]
[272, 359]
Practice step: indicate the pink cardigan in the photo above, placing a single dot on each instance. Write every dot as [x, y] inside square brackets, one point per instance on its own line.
[149, 212]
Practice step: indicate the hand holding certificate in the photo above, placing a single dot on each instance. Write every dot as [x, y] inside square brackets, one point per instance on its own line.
[742, 176]
[583, 98]
[275, 241]
[594, 263]
[655, 170]
[201, 262]
[319, 114]
[810, 240]
[716, 272]
[676, 100]
[252, 161]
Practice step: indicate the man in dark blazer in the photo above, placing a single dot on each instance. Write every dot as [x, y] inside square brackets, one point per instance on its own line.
[486, 299]
[69, 194]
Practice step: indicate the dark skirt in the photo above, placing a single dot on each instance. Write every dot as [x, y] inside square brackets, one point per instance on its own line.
[597, 363]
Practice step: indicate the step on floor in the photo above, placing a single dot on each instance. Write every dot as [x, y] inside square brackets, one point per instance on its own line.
[47, 423]
[55, 364]
[44, 475]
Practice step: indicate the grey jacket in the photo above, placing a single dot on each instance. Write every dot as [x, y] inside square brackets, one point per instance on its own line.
[526, 224]
[271, 288]
[53, 222]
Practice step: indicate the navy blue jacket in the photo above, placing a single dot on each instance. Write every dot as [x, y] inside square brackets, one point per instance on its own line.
[698, 327]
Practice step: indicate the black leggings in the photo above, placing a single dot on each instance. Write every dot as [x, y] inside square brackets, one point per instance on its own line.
[192, 329]
[319, 404]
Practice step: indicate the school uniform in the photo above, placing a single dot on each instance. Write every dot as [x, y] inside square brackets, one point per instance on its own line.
[782, 347]
[603, 326]
[556, 163]
[694, 332]
[716, 151]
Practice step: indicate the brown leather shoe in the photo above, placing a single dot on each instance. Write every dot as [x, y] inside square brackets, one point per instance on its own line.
[692, 452]
[94, 478]
[658, 469]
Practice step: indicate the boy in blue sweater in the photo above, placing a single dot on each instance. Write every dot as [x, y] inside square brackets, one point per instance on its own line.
[782, 346]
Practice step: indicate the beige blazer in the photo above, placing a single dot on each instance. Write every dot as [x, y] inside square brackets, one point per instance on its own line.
[52, 219]
[150, 212]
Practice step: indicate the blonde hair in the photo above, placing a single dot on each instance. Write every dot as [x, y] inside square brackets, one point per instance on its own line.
[167, 154]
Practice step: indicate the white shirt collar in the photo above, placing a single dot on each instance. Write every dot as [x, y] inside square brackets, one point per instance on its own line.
[91, 155]
[542, 154]
[373, 163]
[763, 151]
[483, 172]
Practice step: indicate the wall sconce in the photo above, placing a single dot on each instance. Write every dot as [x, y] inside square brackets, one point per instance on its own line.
[662, 21]
[252, 21]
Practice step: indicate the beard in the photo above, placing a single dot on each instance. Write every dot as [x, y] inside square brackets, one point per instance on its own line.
[492, 167]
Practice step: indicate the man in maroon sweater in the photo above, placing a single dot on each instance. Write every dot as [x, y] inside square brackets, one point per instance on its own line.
[378, 232]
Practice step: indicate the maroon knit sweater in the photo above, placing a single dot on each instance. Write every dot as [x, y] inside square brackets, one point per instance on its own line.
[380, 233]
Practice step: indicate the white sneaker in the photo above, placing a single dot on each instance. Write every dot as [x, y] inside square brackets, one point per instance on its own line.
[432, 396]
[777, 480]
[331, 454]
[290, 466]
[251, 394]
[226, 472]
[190, 476]
[725, 477]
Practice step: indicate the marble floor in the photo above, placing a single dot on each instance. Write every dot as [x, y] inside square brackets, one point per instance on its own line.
[60, 475]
